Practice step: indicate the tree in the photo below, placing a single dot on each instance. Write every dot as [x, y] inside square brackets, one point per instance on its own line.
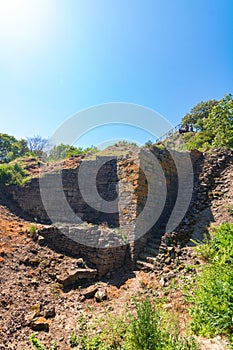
[23, 146]
[37, 145]
[198, 113]
[63, 151]
[220, 123]
[11, 148]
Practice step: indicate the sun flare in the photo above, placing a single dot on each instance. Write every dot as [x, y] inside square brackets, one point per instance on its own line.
[23, 22]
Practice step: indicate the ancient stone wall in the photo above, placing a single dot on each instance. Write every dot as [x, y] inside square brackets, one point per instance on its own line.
[103, 250]
[142, 211]
[29, 196]
[208, 169]
[154, 203]
[106, 251]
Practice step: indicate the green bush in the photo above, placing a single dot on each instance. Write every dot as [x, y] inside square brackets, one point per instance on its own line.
[201, 141]
[144, 332]
[63, 151]
[73, 339]
[32, 231]
[212, 308]
[152, 329]
[12, 174]
[125, 143]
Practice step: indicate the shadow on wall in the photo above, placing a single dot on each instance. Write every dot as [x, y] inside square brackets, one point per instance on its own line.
[106, 183]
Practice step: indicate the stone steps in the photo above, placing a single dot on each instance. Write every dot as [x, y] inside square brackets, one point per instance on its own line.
[153, 245]
[151, 251]
[148, 258]
[144, 266]
[155, 240]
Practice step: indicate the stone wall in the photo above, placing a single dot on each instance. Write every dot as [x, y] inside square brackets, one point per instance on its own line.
[106, 250]
[154, 204]
[123, 180]
[208, 169]
[65, 183]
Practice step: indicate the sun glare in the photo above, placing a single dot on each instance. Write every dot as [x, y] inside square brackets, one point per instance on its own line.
[23, 22]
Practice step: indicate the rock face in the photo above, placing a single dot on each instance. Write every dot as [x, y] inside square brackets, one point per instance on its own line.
[100, 260]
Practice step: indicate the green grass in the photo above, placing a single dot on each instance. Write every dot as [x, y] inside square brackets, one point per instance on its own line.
[150, 329]
[212, 298]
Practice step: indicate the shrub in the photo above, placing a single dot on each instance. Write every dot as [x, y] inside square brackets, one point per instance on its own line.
[125, 143]
[152, 329]
[201, 141]
[144, 332]
[218, 247]
[63, 151]
[12, 174]
[212, 299]
[32, 230]
[73, 339]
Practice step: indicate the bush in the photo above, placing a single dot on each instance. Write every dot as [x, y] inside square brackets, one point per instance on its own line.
[144, 332]
[125, 143]
[212, 298]
[32, 230]
[12, 174]
[201, 141]
[154, 330]
[66, 151]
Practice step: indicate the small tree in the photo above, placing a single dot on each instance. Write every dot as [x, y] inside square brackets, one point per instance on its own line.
[37, 145]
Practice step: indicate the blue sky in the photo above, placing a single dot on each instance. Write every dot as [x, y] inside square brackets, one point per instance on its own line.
[59, 57]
